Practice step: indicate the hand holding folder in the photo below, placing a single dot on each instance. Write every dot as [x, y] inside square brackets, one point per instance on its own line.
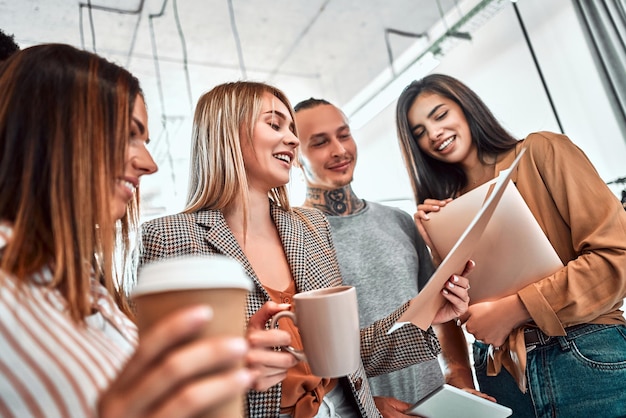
[493, 226]
[512, 252]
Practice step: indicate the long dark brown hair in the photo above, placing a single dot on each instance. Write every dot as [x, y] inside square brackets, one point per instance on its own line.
[431, 178]
[64, 127]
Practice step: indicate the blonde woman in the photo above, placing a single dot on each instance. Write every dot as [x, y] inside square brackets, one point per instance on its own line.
[244, 144]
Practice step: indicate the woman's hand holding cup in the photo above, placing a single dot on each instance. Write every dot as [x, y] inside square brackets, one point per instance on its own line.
[175, 371]
[270, 365]
[328, 323]
[166, 287]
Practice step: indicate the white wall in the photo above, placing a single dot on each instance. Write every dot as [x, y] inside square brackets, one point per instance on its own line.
[498, 65]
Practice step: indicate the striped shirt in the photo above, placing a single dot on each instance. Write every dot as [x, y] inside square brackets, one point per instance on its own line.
[51, 366]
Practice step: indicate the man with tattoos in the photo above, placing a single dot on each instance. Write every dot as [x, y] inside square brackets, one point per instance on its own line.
[379, 248]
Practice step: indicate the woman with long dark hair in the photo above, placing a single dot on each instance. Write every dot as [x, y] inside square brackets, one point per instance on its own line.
[556, 348]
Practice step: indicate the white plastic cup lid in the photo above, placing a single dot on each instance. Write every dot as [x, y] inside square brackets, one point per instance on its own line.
[191, 272]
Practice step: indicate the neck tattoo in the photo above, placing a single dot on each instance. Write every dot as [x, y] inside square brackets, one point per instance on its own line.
[336, 202]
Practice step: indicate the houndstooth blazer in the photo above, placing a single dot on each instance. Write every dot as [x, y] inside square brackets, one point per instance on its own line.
[306, 238]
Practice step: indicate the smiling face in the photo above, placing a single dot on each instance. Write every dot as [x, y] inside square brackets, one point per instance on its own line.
[441, 129]
[328, 153]
[269, 156]
[138, 160]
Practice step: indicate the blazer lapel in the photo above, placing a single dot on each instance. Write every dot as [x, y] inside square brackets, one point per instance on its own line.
[291, 234]
[220, 237]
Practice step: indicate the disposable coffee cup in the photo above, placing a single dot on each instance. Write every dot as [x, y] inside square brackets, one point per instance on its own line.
[217, 281]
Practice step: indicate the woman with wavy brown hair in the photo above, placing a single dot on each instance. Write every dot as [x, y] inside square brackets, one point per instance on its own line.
[73, 135]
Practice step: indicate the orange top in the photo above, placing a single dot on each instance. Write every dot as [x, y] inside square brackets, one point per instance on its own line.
[302, 392]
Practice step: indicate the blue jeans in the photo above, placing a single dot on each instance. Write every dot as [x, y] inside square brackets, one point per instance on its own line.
[580, 375]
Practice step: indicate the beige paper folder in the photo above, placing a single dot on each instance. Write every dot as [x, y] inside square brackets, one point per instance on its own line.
[491, 226]
[512, 252]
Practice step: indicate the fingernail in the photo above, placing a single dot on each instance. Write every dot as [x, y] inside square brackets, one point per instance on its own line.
[455, 278]
[284, 305]
[238, 345]
[435, 207]
[451, 285]
[245, 376]
[202, 313]
[445, 292]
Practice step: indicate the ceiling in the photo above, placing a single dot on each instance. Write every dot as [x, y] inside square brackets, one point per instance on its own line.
[181, 48]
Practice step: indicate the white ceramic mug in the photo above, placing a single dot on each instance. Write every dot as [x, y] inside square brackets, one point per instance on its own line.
[328, 322]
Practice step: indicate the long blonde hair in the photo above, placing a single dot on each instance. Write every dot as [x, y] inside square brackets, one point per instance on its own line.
[223, 116]
[64, 128]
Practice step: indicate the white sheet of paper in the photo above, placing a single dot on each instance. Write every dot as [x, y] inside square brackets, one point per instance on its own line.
[429, 300]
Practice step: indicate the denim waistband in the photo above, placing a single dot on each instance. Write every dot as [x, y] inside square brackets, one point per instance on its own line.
[534, 337]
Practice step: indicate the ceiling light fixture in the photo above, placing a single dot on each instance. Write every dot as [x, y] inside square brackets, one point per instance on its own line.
[386, 88]
[391, 31]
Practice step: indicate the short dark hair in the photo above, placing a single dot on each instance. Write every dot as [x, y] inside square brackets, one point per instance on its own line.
[310, 103]
[7, 46]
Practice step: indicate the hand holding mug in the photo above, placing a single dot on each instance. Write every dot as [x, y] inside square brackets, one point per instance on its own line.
[328, 322]
[271, 365]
